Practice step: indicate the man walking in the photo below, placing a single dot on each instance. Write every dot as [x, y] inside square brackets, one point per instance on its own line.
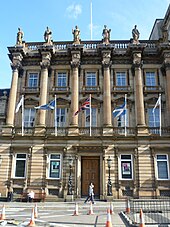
[90, 196]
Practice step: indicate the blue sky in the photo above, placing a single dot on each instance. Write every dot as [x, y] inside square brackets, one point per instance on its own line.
[61, 16]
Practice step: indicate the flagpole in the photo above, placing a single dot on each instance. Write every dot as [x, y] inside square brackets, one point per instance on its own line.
[90, 114]
[91, 25]
[22, 115]
[55, 115]
[160, 118]
[125, 116]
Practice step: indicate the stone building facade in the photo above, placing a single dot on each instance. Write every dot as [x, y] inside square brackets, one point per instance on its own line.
[59, 152]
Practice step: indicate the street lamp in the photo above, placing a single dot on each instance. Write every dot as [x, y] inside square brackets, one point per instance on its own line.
[109, 184]
[0, 159]
[70, 186]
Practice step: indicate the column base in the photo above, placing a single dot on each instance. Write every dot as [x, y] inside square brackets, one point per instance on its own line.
[107, 131]
[7, 130]
[73, 131]
[142, 130]
[39, 130]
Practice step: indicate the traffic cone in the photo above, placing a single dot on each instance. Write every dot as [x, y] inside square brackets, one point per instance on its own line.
[76, 210]
[109, 222]
[35, 211]
[3, 213]
[111, 208]
[127, 206]
[91, 209]
[32, 221]
[142, 222]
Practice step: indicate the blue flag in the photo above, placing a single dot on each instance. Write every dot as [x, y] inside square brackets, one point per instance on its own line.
[121, 110]
[48, 106]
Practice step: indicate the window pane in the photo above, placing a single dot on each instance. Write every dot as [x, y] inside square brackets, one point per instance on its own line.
[150, 79]
[62, 80]
[125, 156]
[121, 119]
[21, 156]
[29, 117]
[54, 169]
[94, 117]
[61, 117]
[162, 170]
[153, 118]
[91, 79]
[120, 79]
[33, 80]
[162, 157]
[55, 156]
[20, 168]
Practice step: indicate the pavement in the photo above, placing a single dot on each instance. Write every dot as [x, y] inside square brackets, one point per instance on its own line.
[61, 214]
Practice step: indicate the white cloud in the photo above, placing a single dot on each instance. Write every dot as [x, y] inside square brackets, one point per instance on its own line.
[74, 10]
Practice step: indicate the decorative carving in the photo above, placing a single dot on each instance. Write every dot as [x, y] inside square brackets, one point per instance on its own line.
[76, 35]
[48, 36]
[137, 63]
[20, 36]
[106, 63]
[135, 35]
[106, 35]
[76, 56]
[75, 64]
[44, 64]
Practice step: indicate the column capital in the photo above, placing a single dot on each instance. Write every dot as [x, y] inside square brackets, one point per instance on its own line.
[106, 55]
[106, 63]
[137, 60]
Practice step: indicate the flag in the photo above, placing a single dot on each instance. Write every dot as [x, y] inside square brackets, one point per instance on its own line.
[158, 103]
[48, 106]
[19, 104]
[85, 105]
[121, 110]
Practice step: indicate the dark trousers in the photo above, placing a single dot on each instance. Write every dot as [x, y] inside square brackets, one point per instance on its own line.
[90, 198]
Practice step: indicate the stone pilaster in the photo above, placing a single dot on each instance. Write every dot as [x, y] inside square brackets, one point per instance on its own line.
[107, 113]
[16, 64]
[139, 98]
[46, 56]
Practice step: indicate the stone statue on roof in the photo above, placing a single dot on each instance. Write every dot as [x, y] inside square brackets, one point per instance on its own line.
[20, 36]
[48, 36]
[135, 35]
[76, 35]
[106, 35]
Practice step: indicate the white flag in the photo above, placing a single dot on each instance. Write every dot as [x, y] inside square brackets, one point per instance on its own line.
[158, 103]
[19, 104]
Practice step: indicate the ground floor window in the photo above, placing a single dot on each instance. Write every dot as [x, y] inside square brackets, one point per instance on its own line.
[20, 165]
[162, 167]
[55, 166]
[126, 166]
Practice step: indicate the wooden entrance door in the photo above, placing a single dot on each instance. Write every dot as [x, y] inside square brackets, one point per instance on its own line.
[90, 172]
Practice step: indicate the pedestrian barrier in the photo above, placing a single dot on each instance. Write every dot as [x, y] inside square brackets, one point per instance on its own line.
[127, 206]
[76, 210]
[109, 222]
[32, 221]
[35, 211]
[111, 208]
[3, 213]
[91, 209]
[142, 222]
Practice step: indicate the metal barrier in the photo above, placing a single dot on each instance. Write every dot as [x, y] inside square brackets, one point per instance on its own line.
[155, 211]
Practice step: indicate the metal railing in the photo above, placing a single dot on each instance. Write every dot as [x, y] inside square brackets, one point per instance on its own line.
[155, 211]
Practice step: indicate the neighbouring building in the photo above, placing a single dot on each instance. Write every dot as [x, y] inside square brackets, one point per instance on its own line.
[62, 149]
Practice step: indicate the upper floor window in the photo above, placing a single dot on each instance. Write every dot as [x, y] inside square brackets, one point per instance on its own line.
[29, 117]
[123, 120]
[61, 80]
[126, 168]
[55, 166]
[153, 118]
[121, 79]
[150, 79]
[61, 117]
[33, 80]
[93, 117]
[91, 79]
[162, 167]
[20, 165]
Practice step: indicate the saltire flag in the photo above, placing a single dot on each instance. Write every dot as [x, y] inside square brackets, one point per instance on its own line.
[20, 103]
[85, 105]
[121, 110]
[48, 106]
[158, 103]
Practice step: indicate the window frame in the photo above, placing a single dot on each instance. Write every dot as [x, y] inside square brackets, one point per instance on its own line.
[150, 71]
[116, 79]
[120, 160]
[59, 123]
[156, 166]
[29, 116]
[63, 73]
[49, 166]
[15, 165]
[94, 116]
[28, 81]
[93, 75]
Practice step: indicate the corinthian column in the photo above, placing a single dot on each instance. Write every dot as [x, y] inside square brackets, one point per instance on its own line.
[139, 99]
[107, 121]
[13, 91]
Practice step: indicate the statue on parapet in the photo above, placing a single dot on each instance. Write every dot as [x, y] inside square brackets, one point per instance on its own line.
[76, 35]
[48, 36]
[135, 35]
[106, 35]
[20, 36]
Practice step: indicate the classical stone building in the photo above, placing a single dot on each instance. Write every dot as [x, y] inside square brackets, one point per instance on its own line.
[59, 152]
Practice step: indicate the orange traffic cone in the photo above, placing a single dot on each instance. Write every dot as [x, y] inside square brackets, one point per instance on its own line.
[32, 221]
[76, 213]
[91, 209]
[142, 222]
[111, 208]
[3, 213]
[109, 222]
[35, 211]
[127, 206]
